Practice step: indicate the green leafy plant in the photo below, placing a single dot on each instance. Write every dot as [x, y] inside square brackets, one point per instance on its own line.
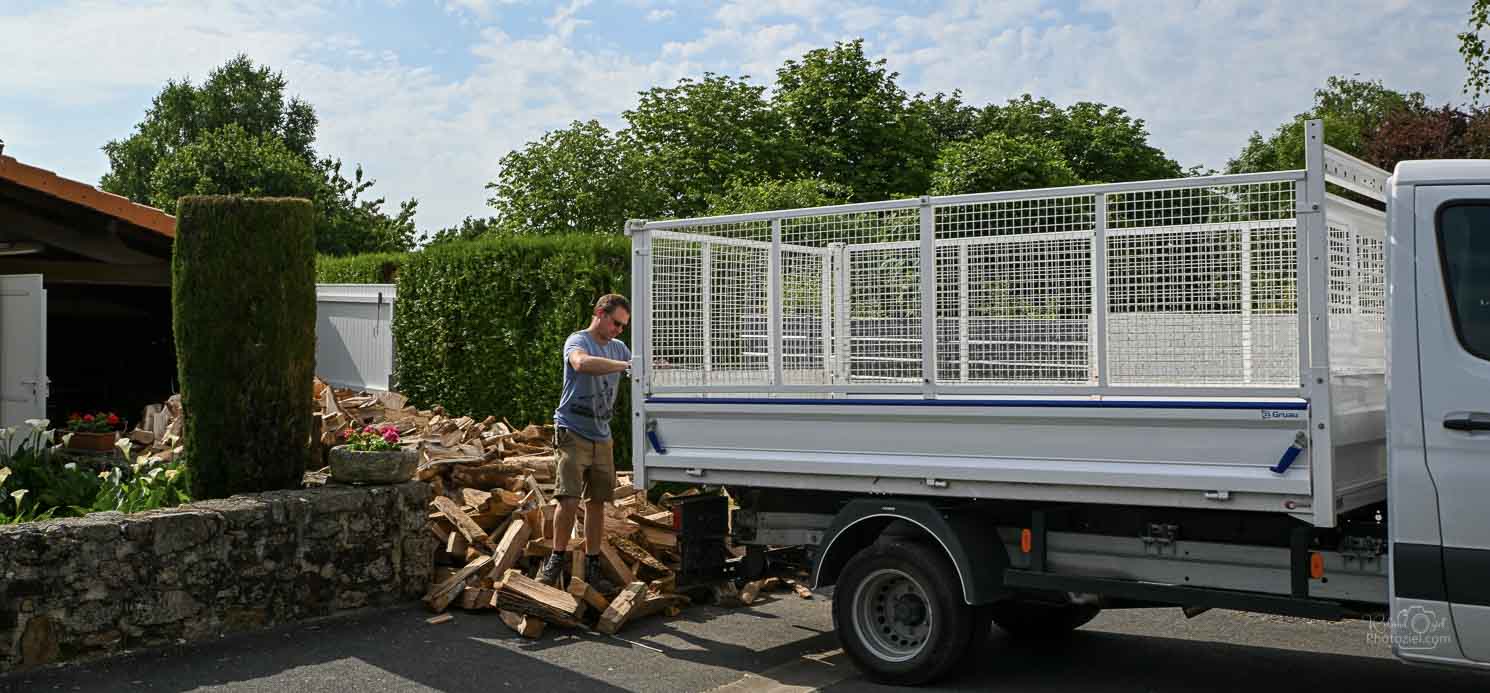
[371, 438]
[145, 488]
[23, 467]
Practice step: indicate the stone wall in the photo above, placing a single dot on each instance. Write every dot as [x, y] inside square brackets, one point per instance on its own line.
[107, 582]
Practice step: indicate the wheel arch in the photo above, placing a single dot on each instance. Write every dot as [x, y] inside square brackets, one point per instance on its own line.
[962, 534]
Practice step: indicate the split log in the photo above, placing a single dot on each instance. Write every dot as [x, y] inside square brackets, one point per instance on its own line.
[633, 552]
[660, 539]
[511, 547]
[612, 565]
[520, 593]
[619, 611]
[441, 595]
[525, 625]
[582, 590]
[662, 520]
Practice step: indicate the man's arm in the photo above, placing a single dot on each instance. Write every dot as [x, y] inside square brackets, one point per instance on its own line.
[583, 362]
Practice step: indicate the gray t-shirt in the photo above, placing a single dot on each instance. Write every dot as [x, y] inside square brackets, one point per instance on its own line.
[588, 401]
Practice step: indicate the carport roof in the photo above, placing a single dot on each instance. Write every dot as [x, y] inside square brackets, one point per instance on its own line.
[84, 195]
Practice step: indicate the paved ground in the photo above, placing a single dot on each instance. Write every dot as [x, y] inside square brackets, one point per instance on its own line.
[781, 645]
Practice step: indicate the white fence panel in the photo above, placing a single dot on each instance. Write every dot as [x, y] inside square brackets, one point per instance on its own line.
[354, 335]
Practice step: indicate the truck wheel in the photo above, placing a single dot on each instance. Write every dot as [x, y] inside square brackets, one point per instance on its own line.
[899, 612]
[1041, 620]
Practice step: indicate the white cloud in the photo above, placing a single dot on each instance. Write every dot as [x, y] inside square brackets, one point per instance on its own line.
[1203, 74]
[565, 20]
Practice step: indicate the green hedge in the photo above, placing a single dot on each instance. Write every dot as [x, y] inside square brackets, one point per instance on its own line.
[243, 298]
[372, 268]
[480, 325]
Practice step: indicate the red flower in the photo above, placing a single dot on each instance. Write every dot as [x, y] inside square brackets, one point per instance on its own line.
[87, 418]
[113, 420]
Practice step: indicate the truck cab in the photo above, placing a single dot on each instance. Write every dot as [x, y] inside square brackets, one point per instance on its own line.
[1438, 410]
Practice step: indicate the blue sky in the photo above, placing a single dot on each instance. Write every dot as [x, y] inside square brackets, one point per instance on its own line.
[429, 94]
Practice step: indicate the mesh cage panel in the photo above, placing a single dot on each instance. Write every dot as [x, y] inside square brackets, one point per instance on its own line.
[1200, 292]
[1197, 280]
[1013, 291]
[1357, 263]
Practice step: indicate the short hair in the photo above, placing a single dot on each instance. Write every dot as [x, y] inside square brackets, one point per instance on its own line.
[610, 302]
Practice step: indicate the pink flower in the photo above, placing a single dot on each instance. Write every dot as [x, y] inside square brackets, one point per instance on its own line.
[390, 436]
[370, 429]
[386, 428]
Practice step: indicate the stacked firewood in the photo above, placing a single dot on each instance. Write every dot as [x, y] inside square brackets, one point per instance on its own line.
[492, 514]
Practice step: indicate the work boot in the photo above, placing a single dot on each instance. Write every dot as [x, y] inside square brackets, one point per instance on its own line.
[552, 572]
[596, 577]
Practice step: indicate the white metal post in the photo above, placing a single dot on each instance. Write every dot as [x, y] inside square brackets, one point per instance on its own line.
[1099, 289]
[706, 277]
[1317, 384]
[1246, 304]
[825, 306]
[928, 299]
[641, 343]
[842, 321]
[963, 352]
[773, 299]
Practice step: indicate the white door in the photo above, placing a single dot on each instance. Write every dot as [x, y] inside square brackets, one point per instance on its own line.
[1453, 305]
[23, 349]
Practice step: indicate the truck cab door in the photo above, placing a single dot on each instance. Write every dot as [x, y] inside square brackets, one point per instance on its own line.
[1452, 238]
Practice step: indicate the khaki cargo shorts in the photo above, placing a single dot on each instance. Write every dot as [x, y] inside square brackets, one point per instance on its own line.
[586, 469]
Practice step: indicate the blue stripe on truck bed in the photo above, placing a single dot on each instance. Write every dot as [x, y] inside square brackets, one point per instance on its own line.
[1093, 404]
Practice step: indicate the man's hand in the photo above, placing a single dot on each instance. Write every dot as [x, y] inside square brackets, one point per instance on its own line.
[583, 362]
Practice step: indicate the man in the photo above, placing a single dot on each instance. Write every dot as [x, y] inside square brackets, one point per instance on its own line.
[593, 362]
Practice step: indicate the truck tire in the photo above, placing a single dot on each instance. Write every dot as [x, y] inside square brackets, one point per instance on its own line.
[899, 613]
[1038, 620]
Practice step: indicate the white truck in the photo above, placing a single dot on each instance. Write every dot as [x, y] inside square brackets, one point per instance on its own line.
[1266, 392]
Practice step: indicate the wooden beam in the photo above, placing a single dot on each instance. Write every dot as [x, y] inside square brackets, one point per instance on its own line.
[96, 244]
[71, 272]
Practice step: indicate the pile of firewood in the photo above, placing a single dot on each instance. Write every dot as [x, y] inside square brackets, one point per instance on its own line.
[493, 516]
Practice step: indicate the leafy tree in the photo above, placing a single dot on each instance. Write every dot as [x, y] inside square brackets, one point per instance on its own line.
[949, 118]
[741, 197]
[230, 159]
[238, 134]
[836, 128]
[578, 179]
[1101, 143]
[848, 122]
[1351, 110]
[698, 135]
[468, 229]
[1472, 48]
[350, 224]
[237, 93]
[1000, 162]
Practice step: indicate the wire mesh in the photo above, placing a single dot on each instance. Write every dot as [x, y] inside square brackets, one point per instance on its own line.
[1201, 290]
[873, 298]
[1357, 266]
[1197, 281]
[1013, 291]
[709, 309]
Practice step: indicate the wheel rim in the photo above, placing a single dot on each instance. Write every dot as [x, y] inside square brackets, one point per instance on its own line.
[892, 615]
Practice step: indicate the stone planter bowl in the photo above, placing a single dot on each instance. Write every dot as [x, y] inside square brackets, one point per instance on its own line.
[377, 467]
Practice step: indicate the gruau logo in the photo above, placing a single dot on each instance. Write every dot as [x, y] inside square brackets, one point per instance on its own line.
[1413, 628]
